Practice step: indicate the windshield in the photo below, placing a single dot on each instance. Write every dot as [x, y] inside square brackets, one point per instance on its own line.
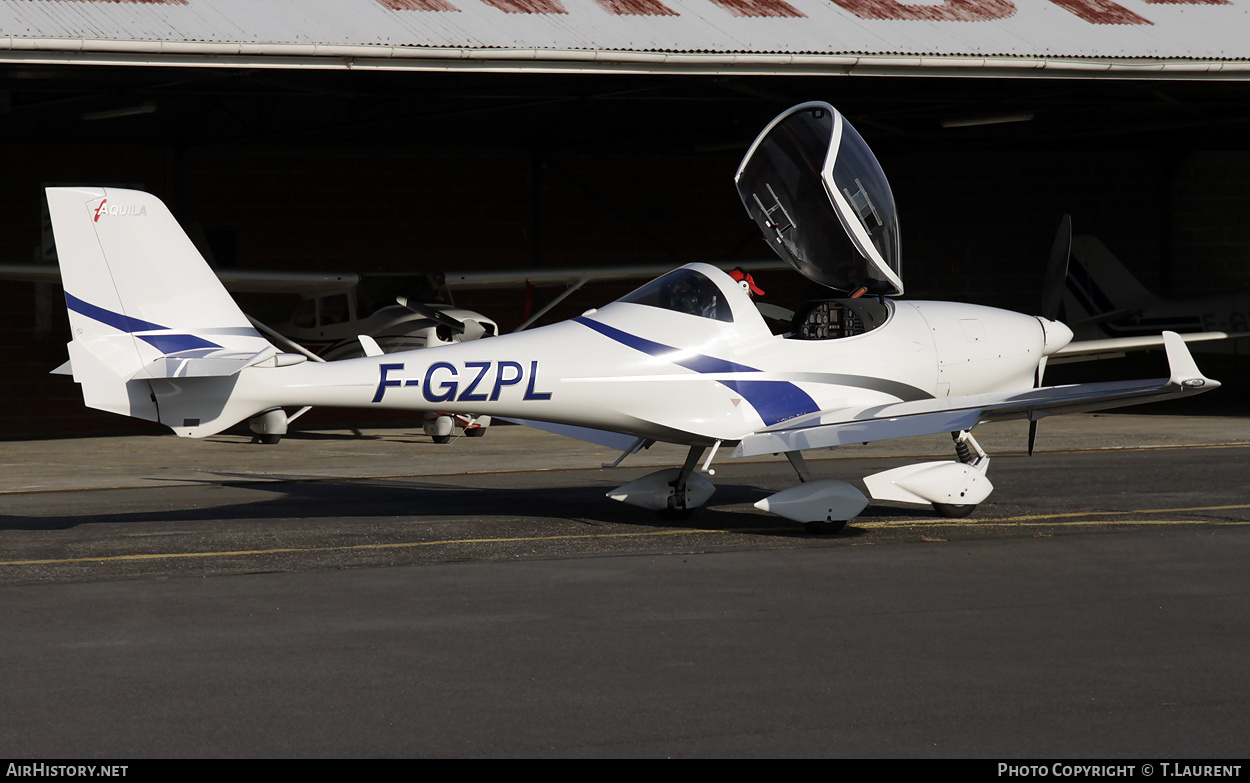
[685, 291]
[819, 196]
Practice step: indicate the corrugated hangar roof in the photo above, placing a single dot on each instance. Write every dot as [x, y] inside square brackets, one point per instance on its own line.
[1175, 38]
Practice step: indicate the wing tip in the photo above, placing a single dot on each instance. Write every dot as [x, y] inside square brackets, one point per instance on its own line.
[1184, 370]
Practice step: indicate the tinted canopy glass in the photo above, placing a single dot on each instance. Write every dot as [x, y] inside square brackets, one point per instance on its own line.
[822, 201]
[685, 291]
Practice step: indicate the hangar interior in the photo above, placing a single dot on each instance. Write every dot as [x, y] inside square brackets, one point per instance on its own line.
[339, 170]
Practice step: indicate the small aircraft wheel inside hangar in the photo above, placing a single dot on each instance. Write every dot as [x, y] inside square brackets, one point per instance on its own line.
[954, 511]
[824, 527]
[439, 426]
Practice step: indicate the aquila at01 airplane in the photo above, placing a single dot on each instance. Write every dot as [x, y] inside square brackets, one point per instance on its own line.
[686, 358]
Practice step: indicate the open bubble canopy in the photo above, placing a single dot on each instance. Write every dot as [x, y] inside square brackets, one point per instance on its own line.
[819, 195]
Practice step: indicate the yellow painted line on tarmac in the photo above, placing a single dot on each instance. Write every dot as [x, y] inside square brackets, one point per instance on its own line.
[1069, 519]
[353, 547]
[1082, 516]
[1037, 521]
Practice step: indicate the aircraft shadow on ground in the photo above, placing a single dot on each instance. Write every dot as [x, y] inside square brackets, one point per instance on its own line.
[365, 502]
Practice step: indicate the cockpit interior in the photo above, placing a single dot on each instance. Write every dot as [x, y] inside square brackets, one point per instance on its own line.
[833, 319]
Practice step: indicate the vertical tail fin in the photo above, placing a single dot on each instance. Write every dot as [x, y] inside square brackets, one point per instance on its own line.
[142, 301]
[1100, 288]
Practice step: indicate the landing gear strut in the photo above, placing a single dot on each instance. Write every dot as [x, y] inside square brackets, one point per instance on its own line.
[969, 453]
[678, 502]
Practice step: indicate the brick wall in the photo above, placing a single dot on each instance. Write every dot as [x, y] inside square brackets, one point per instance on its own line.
[1210, 224]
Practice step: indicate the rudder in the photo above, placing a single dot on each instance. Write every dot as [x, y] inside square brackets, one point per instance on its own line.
[142, 301]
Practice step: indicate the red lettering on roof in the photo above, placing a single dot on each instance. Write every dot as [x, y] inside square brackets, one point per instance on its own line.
[418, 5]
[948, 11]
[527, 6]
[149, 2]
[636, 8]
[1101, 11]
[759, 8]
[1093, 11]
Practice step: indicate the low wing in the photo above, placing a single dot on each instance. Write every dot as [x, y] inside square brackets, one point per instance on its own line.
[952, 414]
[1112, 347]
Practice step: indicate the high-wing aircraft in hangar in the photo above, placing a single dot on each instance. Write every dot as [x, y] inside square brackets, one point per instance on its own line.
[686, 358]
[343, 315]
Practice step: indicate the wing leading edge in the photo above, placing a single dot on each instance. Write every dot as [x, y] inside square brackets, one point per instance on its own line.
[1114, 347]
[952, 414]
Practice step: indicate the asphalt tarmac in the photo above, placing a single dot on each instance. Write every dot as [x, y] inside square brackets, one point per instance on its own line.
[364, 594]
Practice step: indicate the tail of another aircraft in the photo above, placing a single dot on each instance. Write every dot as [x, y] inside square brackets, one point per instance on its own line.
[1100, 288]
[1104, 299]
[145, 308]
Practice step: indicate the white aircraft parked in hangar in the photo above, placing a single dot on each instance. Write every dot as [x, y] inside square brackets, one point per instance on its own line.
[686, 358]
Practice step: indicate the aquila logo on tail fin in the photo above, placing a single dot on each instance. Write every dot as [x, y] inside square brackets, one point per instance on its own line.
[118, 211]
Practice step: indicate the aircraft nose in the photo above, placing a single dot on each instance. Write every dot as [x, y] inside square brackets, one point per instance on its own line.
[1057, 335]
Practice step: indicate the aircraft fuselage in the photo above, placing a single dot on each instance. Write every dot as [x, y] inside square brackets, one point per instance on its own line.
[620, 368]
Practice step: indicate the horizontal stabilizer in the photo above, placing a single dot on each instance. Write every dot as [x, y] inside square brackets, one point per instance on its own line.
[214, 364]
[952, 414]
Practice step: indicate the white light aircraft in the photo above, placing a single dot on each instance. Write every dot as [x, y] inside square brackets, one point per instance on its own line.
[686, 358]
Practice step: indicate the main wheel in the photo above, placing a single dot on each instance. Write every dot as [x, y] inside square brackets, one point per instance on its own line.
[675, 514]
[824, 527]
[475, 432]
[954, 511]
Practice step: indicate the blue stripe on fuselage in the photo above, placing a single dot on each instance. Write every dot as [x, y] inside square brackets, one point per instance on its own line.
[774, 401]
